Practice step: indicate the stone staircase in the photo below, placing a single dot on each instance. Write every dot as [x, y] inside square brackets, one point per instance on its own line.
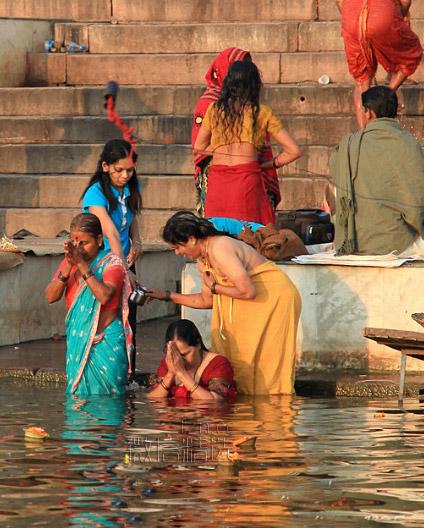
[159, 50]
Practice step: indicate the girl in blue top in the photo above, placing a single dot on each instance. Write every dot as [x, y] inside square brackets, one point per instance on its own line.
[113, 195]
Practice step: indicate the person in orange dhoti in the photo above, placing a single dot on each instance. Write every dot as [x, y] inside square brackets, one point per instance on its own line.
[378, 31]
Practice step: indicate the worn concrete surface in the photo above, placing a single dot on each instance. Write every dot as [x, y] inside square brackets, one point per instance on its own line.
[338, 302]
[25, 315]
[17, 37]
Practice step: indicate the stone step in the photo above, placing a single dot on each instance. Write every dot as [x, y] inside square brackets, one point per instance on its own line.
[82, 159]
[303, 67]
[45, 69]
[327, 10]
[150, 129]
[154, 159]
[213, 11]
[159, 192]
[260, 36]
[171, 130]
[326, 36]
[98, 11]
[49, 221]
[65, 190]
[192, 38]
[309, 99]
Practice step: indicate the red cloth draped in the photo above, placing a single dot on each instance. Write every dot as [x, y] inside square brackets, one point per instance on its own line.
[374, 31]
[219, 368]
[238, 191]
[214, 79]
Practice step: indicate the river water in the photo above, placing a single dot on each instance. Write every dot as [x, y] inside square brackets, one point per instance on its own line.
[119, 462]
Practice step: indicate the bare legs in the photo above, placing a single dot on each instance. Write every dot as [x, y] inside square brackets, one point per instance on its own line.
[395, 81]
[360, 88]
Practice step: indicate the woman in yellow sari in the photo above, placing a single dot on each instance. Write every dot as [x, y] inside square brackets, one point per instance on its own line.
[255, 306]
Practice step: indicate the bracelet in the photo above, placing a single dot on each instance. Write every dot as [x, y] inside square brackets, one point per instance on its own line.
[167, 297]
[213, 288]
[138, 243]
[88, 274]
[195, 386]
[163, 385]
[62, 277]
[275, 164]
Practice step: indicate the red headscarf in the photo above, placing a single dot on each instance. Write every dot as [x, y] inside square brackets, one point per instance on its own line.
[215, 79]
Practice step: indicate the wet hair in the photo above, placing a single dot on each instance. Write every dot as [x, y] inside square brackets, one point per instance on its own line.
[241, 88]
[185, 330]
[185, 224]
[382, 100]
[87, 223]
[113, 151]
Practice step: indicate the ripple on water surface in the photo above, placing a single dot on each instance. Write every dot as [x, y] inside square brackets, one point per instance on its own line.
[126, 462]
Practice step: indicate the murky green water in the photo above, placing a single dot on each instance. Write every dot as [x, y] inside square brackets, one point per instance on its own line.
[127, 462]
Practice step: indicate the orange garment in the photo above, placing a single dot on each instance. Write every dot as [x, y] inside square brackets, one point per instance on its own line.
[267, 122]
[374, 31]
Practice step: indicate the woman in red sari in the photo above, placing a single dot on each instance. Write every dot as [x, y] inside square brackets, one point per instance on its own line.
[378, 31]
[215, 79]
[189, 369]
[234, 132]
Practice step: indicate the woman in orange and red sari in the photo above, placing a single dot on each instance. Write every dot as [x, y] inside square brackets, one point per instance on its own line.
[378, 31]
[215, 79]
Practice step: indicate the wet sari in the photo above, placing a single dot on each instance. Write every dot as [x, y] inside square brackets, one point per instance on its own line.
[97, 363]
[374, 31]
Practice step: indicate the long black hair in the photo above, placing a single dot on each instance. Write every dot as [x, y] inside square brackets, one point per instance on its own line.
[185, 330]
[113, 151]
[242, 88]
[185, 224]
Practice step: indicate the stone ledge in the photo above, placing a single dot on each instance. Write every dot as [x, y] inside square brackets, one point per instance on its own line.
[320, 384]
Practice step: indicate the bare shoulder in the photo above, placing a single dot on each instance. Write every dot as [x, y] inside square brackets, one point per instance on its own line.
[222, 244]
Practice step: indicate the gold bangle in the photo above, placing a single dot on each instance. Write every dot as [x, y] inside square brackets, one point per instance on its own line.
[195, 386]
[163, 385]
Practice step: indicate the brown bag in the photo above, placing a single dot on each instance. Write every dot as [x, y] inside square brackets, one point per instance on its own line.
[274, 244]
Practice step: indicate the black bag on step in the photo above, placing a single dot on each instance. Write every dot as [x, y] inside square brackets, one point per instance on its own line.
[313, 226]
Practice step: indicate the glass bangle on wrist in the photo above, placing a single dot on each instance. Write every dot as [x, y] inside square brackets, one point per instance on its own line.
[195, 386]
[62, 277]
[167, 297]
[88, 274]
[163, 385]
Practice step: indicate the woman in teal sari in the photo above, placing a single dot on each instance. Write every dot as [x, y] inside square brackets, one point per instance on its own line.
[96, 287]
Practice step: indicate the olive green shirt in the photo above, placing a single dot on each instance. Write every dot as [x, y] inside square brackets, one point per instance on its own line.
[379, 178]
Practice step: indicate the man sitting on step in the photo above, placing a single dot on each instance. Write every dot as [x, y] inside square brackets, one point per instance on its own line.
[378, 174]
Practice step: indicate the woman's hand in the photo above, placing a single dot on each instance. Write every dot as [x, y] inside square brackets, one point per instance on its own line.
[174, 360]
[154, 293]
[135, 253]
[133, 279]
[73, 253]
[208, 279]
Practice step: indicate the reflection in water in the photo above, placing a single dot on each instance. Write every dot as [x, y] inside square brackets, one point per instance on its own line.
[129, 462]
